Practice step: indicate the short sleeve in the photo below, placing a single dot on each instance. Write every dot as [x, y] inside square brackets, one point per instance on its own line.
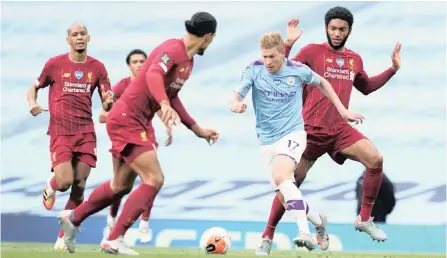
[103, 79]
[308, 76]
[303, 55]
[44, 79]
[119, 88]
[246, 81]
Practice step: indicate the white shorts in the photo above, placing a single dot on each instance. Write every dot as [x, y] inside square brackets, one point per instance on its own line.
[291, 145]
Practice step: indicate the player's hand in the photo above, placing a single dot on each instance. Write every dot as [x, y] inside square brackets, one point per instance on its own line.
[169, 133]
[293, 33]
[36, 109]
[169, 116]
[238, 107]
[352, 117]
[109, 96]
[395, 57]
[210, 135]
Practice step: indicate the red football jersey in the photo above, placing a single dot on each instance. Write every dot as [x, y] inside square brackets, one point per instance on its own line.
[342, 69]
[169, 59]
[70, 94]
[119, 88]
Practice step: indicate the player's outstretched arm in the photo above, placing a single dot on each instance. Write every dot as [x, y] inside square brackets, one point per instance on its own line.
[329, 92]
[367, 85]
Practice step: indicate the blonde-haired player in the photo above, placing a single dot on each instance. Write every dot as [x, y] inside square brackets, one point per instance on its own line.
[276, 85]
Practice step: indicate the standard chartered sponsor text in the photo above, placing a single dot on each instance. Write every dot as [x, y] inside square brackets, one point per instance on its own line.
[76, 87]
[335, 73]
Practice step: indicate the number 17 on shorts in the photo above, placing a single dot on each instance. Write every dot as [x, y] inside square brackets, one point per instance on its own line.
[292, 145]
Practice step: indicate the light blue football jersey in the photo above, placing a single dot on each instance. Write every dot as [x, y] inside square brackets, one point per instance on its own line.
[277, 97]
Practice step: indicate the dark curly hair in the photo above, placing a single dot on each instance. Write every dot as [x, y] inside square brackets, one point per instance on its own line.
[339, 13]
[135, 52]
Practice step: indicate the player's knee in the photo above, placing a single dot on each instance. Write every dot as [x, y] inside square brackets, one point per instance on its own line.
[78, 188]
[282, 169]
[64, 183]
[122, 189]
[375, 161]
[155, 180]
[279, 177]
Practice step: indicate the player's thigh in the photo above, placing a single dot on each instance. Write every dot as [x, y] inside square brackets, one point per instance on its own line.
[124, 176]
[352, 144]
[365, 152]
[144, 161]
[319, 142]
[81, 172]
[289, 150]
[85, 148]
[61, 152]
[292, 146]
[268, 154]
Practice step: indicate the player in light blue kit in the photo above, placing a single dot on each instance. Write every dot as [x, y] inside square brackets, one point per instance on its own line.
[276, 85]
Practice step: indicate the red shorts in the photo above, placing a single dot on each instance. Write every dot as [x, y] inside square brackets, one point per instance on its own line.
[129, 139]
[81, 147]
[322, 140]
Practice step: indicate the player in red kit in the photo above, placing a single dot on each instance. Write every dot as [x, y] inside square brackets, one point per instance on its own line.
[155, 87]
[134, 60]
[72, 78]
[326, 131]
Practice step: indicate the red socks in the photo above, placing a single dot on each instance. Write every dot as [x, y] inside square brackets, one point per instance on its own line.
[372, 181]
[146, 213]
[71, 204]
[137, 202]
[100, 198]
[276, 213]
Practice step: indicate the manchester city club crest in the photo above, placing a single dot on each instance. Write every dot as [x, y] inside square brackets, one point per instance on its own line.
[290, 81]
[340, 61]
[78, 74]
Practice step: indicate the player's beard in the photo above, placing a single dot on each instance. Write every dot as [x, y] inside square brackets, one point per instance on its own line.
[201, 51]
[339, 46]
[80, 51]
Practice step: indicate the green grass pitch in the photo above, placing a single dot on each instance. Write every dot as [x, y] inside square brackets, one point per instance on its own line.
[31, 250]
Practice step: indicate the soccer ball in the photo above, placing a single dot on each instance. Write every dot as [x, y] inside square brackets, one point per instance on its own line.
[215, 240]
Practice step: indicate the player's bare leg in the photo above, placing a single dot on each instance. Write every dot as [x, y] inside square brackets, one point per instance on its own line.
[60, 180]
[365, 152]
[81, 173]
[146, 165]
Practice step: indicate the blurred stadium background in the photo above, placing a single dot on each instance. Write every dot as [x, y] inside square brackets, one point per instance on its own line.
[224, 185]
